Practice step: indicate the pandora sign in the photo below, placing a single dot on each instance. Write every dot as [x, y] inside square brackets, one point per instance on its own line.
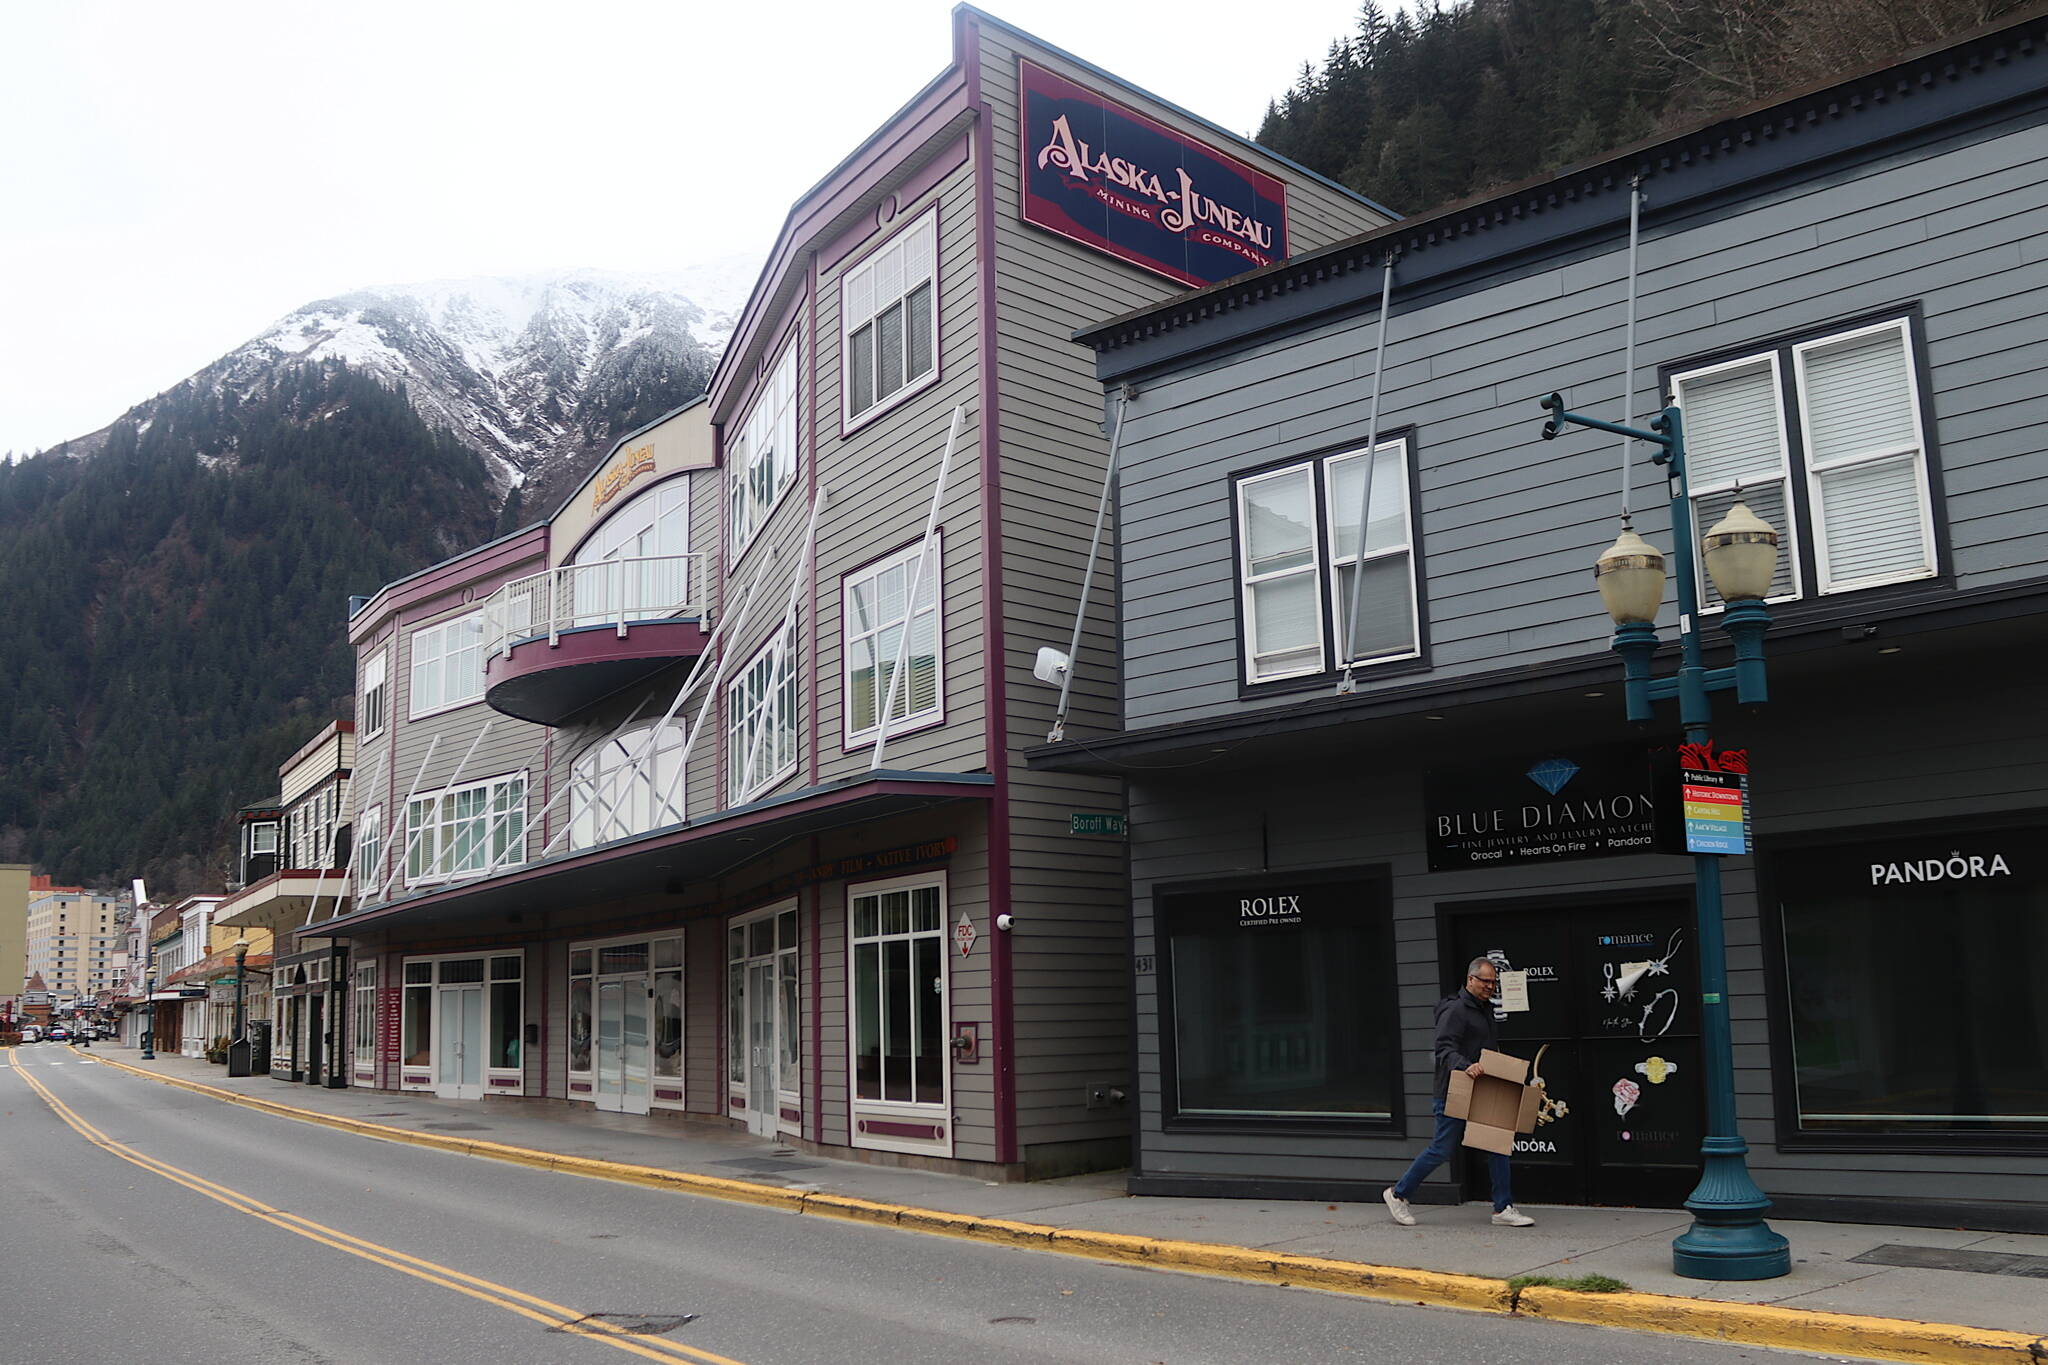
[1109, 177]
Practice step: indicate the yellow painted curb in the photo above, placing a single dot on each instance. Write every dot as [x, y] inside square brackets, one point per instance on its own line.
[1761, 1324]
[1752, 1324]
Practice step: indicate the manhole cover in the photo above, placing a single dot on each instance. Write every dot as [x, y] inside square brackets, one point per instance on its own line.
[768, 1163]
[458, 1127]
[1026, 1321]
[1944, 1258]
[630, 1324]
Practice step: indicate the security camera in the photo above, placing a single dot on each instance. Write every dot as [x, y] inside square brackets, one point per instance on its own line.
[1005, 922]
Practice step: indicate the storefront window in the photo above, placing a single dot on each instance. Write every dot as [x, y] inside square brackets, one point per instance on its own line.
[418, 1018]
[505, 1012]
[899, 989]
[1282, 1001]
[579, 1024]
[364, 1031]
[1909, 971]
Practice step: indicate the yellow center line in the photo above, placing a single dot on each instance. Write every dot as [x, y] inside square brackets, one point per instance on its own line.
[501, 1296]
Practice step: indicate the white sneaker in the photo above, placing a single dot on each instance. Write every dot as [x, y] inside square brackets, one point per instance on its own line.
[1512, 1217]
[1398, 1206]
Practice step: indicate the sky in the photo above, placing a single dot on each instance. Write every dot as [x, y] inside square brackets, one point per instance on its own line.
[178, 176]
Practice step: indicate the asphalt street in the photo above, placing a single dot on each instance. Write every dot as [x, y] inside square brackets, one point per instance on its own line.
[149, 1223]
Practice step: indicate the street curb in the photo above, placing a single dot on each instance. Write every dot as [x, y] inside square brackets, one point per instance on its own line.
[1897, 1339]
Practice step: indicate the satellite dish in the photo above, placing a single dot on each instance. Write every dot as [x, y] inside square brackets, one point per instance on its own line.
[1050, 666]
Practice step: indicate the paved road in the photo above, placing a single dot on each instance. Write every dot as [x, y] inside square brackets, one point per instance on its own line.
[149, 1223]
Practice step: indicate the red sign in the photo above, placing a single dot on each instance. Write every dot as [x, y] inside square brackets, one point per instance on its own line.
[1133, 188]
[387, 1023]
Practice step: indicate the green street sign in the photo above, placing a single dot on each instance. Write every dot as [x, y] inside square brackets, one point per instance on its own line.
[1095, 822]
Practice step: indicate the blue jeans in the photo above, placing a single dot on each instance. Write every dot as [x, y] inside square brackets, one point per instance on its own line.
[1449, 1133]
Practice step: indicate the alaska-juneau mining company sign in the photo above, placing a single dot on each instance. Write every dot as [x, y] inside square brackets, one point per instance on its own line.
[1110, 178]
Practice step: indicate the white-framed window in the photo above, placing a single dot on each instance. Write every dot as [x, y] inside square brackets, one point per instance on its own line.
[897, 1035]
[645, 542]
[447, 664]
[875, 602]
[369, 851]
[764, 1015]
[464, 829]
[1825, 439]
[611, 796]
[1300, 558]
[764, 462]
[373, 694]
[363, 1018]
[889, 320]
[761, 718]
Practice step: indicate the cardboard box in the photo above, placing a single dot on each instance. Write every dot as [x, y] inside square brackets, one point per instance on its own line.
[1496, 1104]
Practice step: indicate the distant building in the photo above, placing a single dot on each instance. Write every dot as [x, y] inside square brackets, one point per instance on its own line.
[14, 880]
[72, 938]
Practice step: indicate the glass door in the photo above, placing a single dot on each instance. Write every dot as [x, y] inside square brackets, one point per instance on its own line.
[622, 1046]
[763, 1113]
[459, 1029]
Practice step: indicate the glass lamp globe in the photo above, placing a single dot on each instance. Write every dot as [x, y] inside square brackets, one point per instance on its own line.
[1742, 555]
[1630, 576]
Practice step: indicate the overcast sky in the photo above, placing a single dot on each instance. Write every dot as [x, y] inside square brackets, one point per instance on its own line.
[178, 175]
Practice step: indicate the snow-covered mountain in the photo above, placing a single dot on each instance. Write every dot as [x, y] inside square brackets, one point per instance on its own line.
[535, 373]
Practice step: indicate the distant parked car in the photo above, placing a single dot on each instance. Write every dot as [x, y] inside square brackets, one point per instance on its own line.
[31, 1033]
[58, 1034]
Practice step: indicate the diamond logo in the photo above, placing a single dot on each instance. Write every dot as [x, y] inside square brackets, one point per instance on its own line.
[1552, 773]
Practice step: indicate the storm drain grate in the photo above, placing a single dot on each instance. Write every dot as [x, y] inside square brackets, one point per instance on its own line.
[768, 1163]
[631, 1324]
[1944, 1258]
[458, 1127]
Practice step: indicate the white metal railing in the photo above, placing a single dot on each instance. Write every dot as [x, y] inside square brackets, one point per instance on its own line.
[611, 592]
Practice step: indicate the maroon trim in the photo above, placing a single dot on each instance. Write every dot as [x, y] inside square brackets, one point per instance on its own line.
[668, 1094]
[485, 563]
[890, 1128]
[505, 1080]
[596, 644]
[923, 182]
[415, 1080]
[809, 444]
[795, 1116]
[848, 423]
[995, 722]
[579, 1087]
[929, 111]
[333, 729]
[736, 1101]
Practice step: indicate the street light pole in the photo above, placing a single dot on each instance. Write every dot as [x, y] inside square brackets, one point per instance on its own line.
[1728, 1239]
[238, 1045]
[149, 1008]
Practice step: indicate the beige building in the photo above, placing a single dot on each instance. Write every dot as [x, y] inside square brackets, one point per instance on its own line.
[73, 941]
[14, 879]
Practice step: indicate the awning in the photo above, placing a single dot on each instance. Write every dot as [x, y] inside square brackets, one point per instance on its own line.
[669, 858]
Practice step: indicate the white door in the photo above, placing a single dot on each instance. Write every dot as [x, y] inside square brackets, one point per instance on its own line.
[622, 1056]
[459, 1042]
[764, 1109]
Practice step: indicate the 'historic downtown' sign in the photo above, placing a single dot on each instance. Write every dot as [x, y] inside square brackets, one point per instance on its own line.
[1110, 178]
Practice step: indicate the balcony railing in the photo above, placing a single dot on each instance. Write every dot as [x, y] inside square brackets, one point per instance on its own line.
[611, 592]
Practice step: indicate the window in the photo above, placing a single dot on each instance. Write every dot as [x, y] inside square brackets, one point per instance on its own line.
[263, 838]
[1300, 564]
[875, 603]
[1912, 1013]
[1282, 1003]
[447, 664]
[764, 462]
[611, 796]
[375, 695]
[634, 566]
[464, 829]
[899, 993]
[760, 718]
[369, 851]
[363, 1023]
[889, 318]
[1825, 440]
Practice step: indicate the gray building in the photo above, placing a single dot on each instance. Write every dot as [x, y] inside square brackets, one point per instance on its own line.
[1330, 814]
[706, 796]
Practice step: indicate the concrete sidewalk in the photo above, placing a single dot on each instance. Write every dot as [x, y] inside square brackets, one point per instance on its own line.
[1630, 1245]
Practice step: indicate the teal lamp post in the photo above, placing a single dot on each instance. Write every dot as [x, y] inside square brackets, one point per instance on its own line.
[1728, 1239]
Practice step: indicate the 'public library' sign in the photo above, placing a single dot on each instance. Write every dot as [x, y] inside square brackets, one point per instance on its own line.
[1130, 187]
[1591, 803]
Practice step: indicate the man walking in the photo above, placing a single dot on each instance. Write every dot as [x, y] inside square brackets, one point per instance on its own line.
[1465, 1026]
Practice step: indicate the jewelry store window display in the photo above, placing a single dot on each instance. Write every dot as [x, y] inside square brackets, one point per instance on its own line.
[1465, 1027]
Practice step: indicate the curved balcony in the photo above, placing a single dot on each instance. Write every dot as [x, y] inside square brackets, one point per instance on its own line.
[557, 642]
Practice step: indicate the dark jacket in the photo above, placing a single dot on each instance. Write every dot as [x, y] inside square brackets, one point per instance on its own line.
[1464, 1026]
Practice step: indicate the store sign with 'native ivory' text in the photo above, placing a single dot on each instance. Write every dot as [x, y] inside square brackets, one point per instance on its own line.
[1110, 178]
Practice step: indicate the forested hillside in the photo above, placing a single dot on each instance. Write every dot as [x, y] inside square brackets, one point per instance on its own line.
[1425, 107]
[173, 609]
